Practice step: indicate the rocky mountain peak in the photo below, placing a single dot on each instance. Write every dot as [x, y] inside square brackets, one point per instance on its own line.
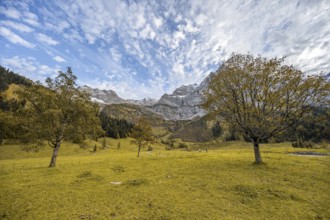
[185, 90]
[148, 102]
[102, 96]
[183, 104]
[110, 97]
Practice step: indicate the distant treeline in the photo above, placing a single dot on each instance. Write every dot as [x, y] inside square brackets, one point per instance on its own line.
[115, 128]
[314, 127]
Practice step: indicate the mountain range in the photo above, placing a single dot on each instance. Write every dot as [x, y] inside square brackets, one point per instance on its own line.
[183, 104]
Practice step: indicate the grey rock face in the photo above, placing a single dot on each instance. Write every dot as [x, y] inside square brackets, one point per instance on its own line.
[111, 97]
[148, 102]
[103, 96]
[183, 104]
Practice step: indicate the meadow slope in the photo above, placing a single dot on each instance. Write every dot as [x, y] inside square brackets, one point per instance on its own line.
[115, 184]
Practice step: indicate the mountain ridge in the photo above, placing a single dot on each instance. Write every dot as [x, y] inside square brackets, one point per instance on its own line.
[184, 103]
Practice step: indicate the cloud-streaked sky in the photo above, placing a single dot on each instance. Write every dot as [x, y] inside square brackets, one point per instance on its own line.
[147, 48]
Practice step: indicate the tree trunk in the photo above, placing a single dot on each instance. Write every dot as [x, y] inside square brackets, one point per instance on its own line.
[55, 153]
[139, 150]
[257, 154]
[139, 147]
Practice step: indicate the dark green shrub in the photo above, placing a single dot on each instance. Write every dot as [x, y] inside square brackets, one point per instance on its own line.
[295, 144]
[168, 148]
[217, 130]
[182, 145]
[303, 144]
[308, 144]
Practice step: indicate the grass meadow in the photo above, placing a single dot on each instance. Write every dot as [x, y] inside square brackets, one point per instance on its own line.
[114, 184]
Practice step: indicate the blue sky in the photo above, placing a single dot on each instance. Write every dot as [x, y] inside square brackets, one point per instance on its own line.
[147, 48]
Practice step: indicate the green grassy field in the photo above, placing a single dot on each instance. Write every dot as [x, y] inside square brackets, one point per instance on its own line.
[115, 184]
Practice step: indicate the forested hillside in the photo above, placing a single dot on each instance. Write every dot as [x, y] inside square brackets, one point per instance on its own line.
[8, 77]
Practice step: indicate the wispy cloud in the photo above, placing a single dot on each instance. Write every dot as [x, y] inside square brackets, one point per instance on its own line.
[17, 26]
[31, 19]
[29, 66]
[46, 39]
[10, 12]
[146, 48]
[59, 59]
[14, 38]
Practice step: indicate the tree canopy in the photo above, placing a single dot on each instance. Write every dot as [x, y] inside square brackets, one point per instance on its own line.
[59, 112]
[263, 97]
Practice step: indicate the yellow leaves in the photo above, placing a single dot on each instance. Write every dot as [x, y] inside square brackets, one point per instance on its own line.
[59, 110]
[263, 94]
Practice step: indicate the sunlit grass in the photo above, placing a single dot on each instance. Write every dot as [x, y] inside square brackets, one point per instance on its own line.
[112, 183]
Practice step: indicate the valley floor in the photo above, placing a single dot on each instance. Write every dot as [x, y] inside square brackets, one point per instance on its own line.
[115, 184]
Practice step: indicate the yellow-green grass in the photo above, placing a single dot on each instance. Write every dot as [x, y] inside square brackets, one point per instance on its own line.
[115, 184]
[10, 92]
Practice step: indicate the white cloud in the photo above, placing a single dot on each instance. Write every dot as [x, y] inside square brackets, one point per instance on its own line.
[140, 21]
[130, 88]
[14, 38]
[178, 18]
[44, 69]
[17, 26]
[73, 35]
[201, 19]
[158, 22]
[178, 35]
[116, 56]
[31, 19]
[147, 33]
[20, 63]
[184, 41]
[29, 67]
[10, 12]
[57, 26]
[170, 43]
[59, 59]
[46, 39]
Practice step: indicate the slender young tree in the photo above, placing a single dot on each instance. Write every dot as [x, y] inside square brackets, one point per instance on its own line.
[54, 113]
[263, 97]
[142, 133]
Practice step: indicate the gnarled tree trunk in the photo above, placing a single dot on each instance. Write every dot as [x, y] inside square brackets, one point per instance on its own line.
[55, 153]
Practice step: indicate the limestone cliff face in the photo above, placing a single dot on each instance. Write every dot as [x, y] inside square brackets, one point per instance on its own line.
[110, 97]
[148, 102]
[103, 96]
[183, 104]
